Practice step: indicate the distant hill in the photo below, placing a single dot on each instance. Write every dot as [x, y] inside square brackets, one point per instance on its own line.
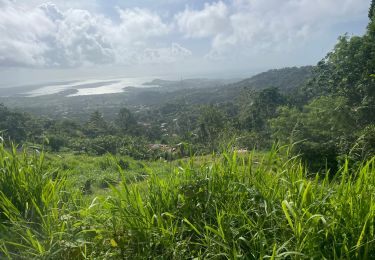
[188, 92]
[190, 83]
[285, 79]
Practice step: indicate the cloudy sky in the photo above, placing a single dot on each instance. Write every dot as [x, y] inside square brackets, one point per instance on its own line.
[57, 40]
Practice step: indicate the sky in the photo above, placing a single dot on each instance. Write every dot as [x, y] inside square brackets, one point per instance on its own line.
[59, 40]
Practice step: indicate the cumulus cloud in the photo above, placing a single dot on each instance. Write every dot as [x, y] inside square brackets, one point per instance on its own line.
[22, 35]
[211, 20]
[245, 27]
[139, 23]
[78, 39]
[48, 37]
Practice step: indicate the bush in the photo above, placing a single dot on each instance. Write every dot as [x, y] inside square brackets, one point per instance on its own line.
[55, 142]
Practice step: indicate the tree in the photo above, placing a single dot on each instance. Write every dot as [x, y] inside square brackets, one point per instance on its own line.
[339, 113]
[348, 71]
[96, 125]
[321, 132]
[285, 128]
[259, 106]
[185, 123]
[126, 121]
[13, 125]
[211, 123]
[371, 12]
[55, 142]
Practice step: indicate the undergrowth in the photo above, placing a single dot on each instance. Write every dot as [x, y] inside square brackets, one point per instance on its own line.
[226, 207]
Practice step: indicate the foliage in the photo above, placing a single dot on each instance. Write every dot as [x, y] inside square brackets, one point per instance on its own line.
[365, 144]
[126, 121]
[13, 124]
[258, 107]
[339, 104]
[322, 130]
[211, 123]
[55, 142]
[371, 12]
[312, 199]
[285, 79]
[33, 204]
[228, 206]
[325, 109]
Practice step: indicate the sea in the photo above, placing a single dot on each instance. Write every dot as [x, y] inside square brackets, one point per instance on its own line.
[77, 87]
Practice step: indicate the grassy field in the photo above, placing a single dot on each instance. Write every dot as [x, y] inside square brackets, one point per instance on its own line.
[227, 206]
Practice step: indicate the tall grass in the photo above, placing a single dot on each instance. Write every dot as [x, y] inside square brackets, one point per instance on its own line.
[226, 207]
[40, 217]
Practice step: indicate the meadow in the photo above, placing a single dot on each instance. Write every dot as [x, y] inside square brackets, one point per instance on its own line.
[220, 206]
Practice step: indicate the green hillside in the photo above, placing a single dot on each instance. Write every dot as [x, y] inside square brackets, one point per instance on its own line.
[285, 79]
[277, 166]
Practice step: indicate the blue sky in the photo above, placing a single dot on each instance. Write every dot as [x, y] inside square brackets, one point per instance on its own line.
[58, 40]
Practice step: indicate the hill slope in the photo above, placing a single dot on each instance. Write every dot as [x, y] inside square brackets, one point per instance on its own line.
[284, 79]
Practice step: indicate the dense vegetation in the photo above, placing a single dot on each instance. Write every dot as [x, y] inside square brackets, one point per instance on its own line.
[168, 175]
[247, 207]
[201, 119]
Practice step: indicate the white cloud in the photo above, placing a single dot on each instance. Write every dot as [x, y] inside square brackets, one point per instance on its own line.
[211, 20]
[79, 39]
[135, 34]
[45, 36]
[78, 33]
[246, 27]
[139, 23]
[21, 35]
[165, 55]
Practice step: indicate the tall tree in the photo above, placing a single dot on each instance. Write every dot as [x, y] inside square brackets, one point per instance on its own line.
[340, 113]
[211, 123]
[96, 125]
[348, 71]
[259, 106]
[372, 10]
[126, 121]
